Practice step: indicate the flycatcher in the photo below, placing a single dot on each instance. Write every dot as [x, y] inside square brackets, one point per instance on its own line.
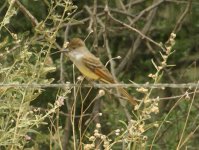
[91, 66]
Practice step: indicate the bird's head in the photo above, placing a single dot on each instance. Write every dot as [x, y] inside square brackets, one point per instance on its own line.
[75, 43]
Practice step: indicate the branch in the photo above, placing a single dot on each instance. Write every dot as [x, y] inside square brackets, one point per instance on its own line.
[182, 17]
[26, 13]
[135, 45]
[146, 10]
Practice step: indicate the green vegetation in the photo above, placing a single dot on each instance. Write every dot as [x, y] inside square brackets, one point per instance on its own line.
[45, 103]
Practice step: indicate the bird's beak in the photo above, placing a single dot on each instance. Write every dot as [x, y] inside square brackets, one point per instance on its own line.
[62, 51]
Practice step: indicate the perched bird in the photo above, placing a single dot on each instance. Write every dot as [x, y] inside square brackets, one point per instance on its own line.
[91, 66]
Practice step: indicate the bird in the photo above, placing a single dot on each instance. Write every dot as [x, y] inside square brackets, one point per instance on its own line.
[91, 66]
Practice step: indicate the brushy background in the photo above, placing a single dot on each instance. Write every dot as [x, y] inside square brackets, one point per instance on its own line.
[143, 41]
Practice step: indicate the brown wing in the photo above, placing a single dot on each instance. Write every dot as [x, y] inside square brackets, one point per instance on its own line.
[95, 65]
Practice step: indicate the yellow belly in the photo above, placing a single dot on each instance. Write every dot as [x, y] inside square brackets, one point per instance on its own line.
[88, 73]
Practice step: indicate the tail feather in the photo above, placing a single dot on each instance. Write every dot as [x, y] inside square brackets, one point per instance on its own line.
[128, 96]
[123, 92]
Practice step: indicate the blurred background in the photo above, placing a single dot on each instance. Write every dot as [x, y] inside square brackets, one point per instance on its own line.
[131, 33]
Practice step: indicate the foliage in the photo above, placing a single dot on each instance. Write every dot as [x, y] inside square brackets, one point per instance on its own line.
[146, 41]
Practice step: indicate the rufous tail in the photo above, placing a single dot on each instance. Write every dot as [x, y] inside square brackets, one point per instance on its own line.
[128, 96]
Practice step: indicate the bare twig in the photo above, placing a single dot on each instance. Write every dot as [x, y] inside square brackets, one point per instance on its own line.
[3, 6]
[180, 20]
[179, 146]
[180, 1]
[106, 9]
[118, 11]
[138, 40]
[121, 5]
[156, 4]
[32, 19]
[99, 21]
[94, 17]
[26, 13]
[136, 30]
[133, 3]
[165, 118]
[67, 127]
[106, 44]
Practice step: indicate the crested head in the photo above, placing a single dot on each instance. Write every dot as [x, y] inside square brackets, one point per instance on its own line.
[75, 43]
